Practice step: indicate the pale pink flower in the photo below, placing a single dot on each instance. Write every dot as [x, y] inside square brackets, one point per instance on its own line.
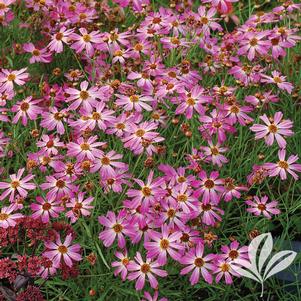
[198, 263]
[259, 206]
[80, 207]
[26, 108]
[58, 251]
[17, 185]
[38, 55]
[58, 39]
[279, 80]
[8, 78]
[273, 128]
[7, 219]
[283, 166]
[143, 269]
[162, 244]
[46, 208]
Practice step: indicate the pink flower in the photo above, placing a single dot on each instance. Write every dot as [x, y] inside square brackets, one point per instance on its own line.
[207, 21]
[100, 116]
[53, 119]
[223, 5]
[58, 186]
[185, 197]
[26, 108]
[232, 190]
[85, 148]
[48, 268]
[147, 297]
[216, 123]
[84, 97]
[7, 219]
[46, 208]
[193, 101]
[279, 80]
[122, 264]
[57, 40]
[210, 187]
[252, 43]
[8, 78]
[80, 207]
[273, 128]
[17, 185]
[234, 252]
[58, 251]
[50, 145]
[282, 167]
[115, 226]
[209, 213]
[261, 206]
[147, 193]
[86, 41]
[214, 153]
[134, 102]
[224, 268]
[38, 55]
[198, 263]
[106, 163]
[139, 134]
[142, 268]
[164, 243]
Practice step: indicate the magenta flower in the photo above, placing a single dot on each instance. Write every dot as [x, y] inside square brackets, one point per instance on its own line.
[217, 123]
[261, 206]
[7, 219]
[17, 185]
[164, 243]
[147, 193]
[185, 197]
[198, 264]
[274, 128]
[115, 227]
[283, 166]
[50, 145]
[46, 208]
[58, 251]
[26, 109]
[207, 21]
[209, 213]
[279, 80]
[140, 269]
[80, 207]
